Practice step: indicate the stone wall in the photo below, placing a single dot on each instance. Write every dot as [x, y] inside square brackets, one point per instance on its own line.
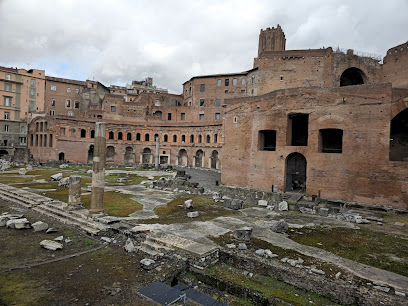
[395, 67]
[362, 172]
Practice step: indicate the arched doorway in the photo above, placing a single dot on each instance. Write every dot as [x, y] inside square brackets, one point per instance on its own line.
[199, 158]
[129, 156]
[295, 172]
[90, 154]
[214, 159]
[61, 156]
[399, 137]
[352, 76]
[147, 156]
[110, 153]
[182, 157]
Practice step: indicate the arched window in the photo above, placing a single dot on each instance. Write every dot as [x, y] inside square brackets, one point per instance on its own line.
[83, 133]
[120, 135]
[92, 134]
[352, 76]
[111, 135]
[147, 137]
[215, 138]
[99, 117]
[138, 137]
[37, 126]
[183, 138]
[208, 139]
[156, 136]
[200, 139]
[174, 138]
[191, 138]
[129, 136]
[165, 138]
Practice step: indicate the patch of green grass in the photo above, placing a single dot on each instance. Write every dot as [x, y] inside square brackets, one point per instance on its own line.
[133, 178]
[88, 242]
[17, 288]
[115, 203]
[206, 207]
[267, 287]
[363, 245]
[14, 178]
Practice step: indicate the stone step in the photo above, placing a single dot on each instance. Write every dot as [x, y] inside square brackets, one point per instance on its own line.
[155, 246]
[14, 196]
[149, 252]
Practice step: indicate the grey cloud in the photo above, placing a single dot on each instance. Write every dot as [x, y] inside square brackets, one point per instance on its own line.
[116, 42]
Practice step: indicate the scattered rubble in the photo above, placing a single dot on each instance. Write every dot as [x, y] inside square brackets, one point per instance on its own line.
[63, 166]
[148, 264]
[39, 226]
[57, 177]
[193, 214]
[22, 171]
[64, 182]
[22, 223]
[280, 226]
[235, 204]
[188, 204]
[51, 245]
[283, 206]
[243, 234]
[129, 246]
[242, 246]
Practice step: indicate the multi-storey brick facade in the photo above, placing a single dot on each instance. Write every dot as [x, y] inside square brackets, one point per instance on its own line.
[321, 122]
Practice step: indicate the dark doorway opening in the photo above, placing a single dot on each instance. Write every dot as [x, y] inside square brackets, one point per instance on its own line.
[295, 172]
[399, 137]
[90, 154]
[298, 129]
[61, 156]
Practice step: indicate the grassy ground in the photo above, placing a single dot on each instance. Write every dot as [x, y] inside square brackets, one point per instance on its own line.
[256, 244]
[206, 207]
[267, 287]
[377, 249]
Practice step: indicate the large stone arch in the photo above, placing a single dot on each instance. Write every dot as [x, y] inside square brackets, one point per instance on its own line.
[129, 157]
[199, 158]
[399, 137]
[182, 158]
[353, 76]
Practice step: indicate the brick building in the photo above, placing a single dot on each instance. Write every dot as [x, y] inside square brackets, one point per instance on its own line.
[322, 122]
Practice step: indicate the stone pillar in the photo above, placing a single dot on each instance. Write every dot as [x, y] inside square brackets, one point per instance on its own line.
[74, 197]
[98, 168]
[157, 159]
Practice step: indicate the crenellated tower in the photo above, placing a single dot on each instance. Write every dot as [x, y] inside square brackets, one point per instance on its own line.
[271, 40]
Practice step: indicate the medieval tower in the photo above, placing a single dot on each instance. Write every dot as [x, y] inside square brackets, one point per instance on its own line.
[271, 40]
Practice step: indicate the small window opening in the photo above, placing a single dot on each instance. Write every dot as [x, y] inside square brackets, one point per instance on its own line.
[267, 140]
[111, 135]
[298, 129]
[330, 141]
[83, 133]
[120, 135]
[129, 136]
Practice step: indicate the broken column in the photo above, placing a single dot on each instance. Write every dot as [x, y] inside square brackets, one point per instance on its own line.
[74, 197]
[98, 168]
[156, 164]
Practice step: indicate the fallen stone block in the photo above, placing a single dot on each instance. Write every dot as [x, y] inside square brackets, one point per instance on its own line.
[51, 230]
[22, 171]
[57, 177]
[123, 180]
[3, 220]
[399, 293]
[148, 264]
[63, 166]
[129, 246]
[242, 246]
[243, 233]
[283, 206]
[188, 204]
[263, 203]
[338, 275]
[260, 252]
[60, 238]
[29, 167]
[51, 245]
[323, 211]
[193, 214]
[18, 223]
[280, 226]
[317, 271]
[231, 246]
[382, 288]
[64, 182]
[39, 226]
[399, 224]
[106, 239]
[233, 203]
[305, 210]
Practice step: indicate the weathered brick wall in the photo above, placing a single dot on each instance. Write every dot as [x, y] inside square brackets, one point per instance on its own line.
[395, 67]
[362, 172]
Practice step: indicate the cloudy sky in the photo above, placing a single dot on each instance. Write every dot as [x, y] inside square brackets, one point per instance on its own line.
[117, 41]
